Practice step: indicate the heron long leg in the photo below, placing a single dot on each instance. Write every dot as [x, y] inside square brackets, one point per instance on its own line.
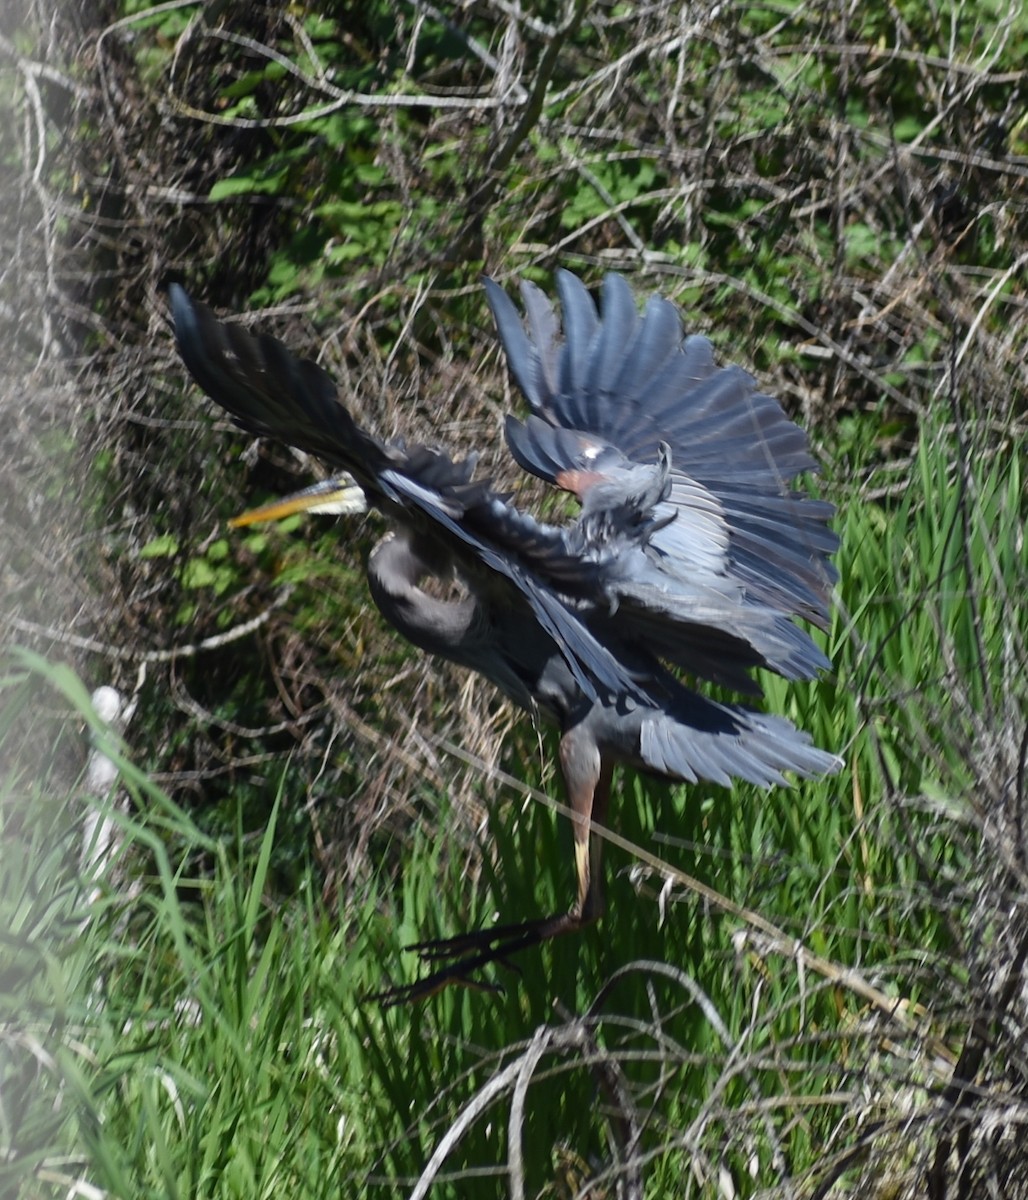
[587, 777]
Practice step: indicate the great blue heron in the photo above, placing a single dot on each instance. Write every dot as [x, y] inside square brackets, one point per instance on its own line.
[691, 552]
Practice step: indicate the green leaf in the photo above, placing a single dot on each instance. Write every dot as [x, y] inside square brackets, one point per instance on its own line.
[161, 547]
[248, 185]
[198, 573]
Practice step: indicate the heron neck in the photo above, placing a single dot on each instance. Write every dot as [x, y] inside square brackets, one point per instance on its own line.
[395, 569]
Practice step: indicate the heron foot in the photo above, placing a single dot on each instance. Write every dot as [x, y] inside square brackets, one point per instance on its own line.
[467, 953]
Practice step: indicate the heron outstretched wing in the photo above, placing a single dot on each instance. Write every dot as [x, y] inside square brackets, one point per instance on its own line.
[268, 390]
[730, 547]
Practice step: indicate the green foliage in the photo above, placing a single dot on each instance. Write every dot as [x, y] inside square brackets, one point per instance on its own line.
[213, 1039]
[801, 179]
[329, 168]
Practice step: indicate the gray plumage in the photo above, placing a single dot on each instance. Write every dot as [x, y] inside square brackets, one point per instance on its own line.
[693, 551]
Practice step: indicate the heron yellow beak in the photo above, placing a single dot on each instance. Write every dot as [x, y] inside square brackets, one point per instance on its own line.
[340, 494]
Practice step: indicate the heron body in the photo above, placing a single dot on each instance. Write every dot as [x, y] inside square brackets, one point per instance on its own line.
[693, 553]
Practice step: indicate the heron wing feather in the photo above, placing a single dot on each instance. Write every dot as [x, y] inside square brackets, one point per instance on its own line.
[267, 390]
[695, 737]
[618, 388]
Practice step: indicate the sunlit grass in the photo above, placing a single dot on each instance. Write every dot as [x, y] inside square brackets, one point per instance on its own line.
[188, 1032]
